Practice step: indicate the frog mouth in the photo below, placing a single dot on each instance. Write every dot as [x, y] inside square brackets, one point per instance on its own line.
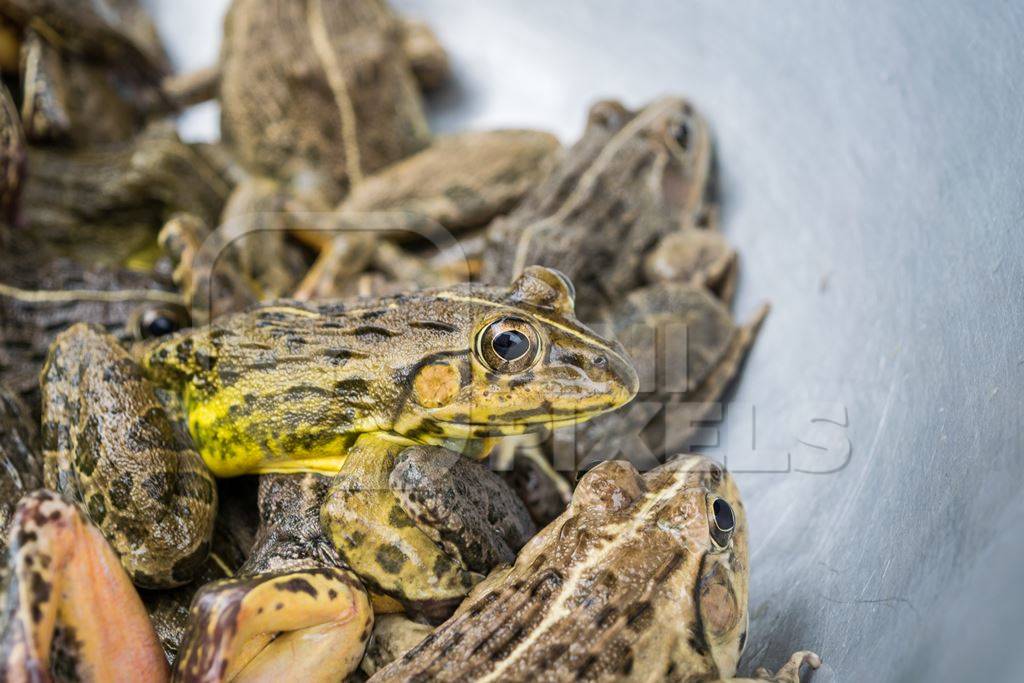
[541, 416]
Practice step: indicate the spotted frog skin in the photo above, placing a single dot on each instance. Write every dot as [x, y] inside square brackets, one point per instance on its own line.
[317, 390]
[643, 578]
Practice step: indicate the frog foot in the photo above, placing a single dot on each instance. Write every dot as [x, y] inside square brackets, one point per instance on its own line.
[790, 671]
[308, 624]
[381, 543]
[68, 596]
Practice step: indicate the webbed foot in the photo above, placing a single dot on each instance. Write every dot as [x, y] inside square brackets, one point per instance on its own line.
[790, 671]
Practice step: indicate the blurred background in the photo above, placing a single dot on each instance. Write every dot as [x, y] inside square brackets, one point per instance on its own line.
[871, 168]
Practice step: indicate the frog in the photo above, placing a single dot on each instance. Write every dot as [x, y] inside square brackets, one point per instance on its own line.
[333, 99]
[630, 213]
[632, 179]
[52, 277]
[41, 298]
[688, 350]
[105, 204]
[329, 393]
[454, 186]
[643, 577]
[346, 107]
[90, 71]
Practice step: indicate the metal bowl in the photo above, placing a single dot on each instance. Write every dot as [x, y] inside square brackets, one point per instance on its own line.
[871, 164]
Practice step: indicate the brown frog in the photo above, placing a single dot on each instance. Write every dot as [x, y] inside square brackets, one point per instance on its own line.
[105, 204]
[630, 214]
[644, 577]
[318, 98]
[632, 179]
[89, 70]
[314, 96]
[55, 294]
[687, 350]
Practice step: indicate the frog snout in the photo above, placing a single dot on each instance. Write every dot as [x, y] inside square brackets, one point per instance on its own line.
[620, 374]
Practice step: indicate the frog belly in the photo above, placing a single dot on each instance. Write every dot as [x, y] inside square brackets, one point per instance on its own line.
[235, 440]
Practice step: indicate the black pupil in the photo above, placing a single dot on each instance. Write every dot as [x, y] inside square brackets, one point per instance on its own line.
[723, 515]
[161, 325]
[683, 135]
[510, 345]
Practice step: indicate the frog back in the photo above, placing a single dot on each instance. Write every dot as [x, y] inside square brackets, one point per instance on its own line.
[289, 387]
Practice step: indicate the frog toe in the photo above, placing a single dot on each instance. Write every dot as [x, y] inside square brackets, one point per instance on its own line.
[790, 671]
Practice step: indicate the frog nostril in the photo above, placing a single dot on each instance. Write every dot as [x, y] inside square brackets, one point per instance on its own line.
[601, 361]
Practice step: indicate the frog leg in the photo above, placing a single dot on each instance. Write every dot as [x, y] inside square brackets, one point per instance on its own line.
[379, 541]
[66, 593]
[789, 673]
[303, 624]
[109, 443]
[44, 103]
[426, 55]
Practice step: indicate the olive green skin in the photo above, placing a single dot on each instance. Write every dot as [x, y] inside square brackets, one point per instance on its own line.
[299, 388]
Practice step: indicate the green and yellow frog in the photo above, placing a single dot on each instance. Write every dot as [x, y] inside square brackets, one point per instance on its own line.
[320, 397]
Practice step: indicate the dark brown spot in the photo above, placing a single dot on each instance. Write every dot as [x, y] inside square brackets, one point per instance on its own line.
[390, 558]
[297, 585]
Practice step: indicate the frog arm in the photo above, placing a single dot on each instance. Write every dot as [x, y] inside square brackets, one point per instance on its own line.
[789, 673]
[378, 540]
[65, 578]
[303, 624]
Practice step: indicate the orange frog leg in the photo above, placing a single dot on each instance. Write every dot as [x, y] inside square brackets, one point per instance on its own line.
[291, 613]
[70, 608]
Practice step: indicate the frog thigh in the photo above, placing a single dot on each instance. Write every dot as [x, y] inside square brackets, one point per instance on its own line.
[109, 443]
[307, 624]
[379, 541]
[64, 578]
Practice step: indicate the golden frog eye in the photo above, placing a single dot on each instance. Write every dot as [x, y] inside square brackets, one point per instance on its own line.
[722, 522]
[157, 321]
[508, 345]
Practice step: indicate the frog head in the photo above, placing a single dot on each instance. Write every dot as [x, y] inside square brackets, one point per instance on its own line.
[531, 364]
[707, 516]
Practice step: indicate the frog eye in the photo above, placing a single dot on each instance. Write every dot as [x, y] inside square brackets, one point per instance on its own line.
[722, 522]
[159, 321]
[508, 345]
[681, 135]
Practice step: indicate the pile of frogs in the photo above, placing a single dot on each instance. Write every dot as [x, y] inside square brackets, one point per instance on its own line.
[315, 402]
